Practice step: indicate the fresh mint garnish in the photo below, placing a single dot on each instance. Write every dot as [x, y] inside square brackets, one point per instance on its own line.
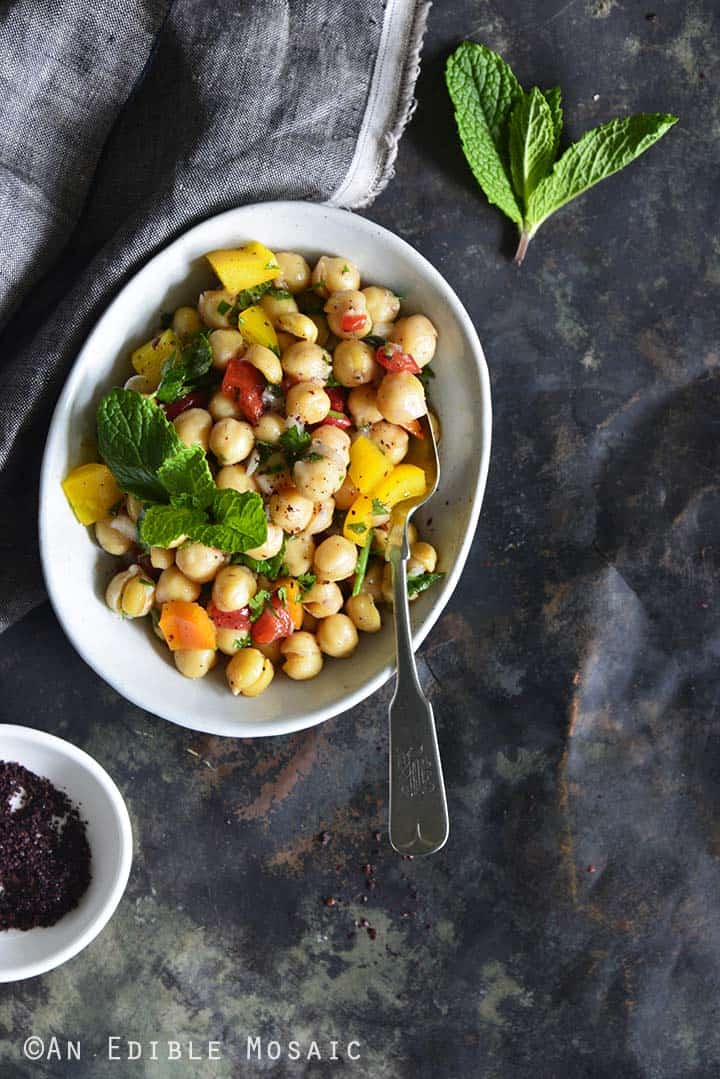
[511, 140]
[421, 582]
[294, 443]
[186, 370]
[272, 568]
[135, 438]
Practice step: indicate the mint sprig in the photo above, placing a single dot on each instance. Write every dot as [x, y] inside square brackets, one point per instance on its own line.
[511, 140]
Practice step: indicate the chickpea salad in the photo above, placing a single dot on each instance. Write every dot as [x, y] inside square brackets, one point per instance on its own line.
[251, 462]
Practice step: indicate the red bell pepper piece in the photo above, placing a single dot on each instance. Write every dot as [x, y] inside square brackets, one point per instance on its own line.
[337, 398]
[239, 619]
[274, 623]
[245, 384]
[351, 323]
[392, 358]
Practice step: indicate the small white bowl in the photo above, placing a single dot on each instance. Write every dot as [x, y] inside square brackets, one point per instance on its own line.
[25, 954]
[126, 654]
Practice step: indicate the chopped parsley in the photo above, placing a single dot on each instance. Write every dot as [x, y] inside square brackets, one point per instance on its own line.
[282, 595]
[418, 584]
[332, 381]
[295, 443]
[257, 604]
[272, 568]
[223, 307]
[242, 642]
[379, 508]
[306, 581]
[358, 528]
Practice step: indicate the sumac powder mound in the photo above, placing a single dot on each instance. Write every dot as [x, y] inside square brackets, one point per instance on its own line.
[44, 852]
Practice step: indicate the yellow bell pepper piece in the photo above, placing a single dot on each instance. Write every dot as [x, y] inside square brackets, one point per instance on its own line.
[244, 267]
[257, 329]
[368, 465]
[405, 481]
[91, 491]
[358, 520]
[149, 359]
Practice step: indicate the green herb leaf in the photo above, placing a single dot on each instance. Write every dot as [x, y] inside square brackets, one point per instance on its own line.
[306, 581]
[282, 595]
[553, 96]
[531, 135]
[242, 642]
[186, 370]
[239, 522]
[484, 91]
[257, 604]
[379, 508]
[421, 582]
[187, 478]
[374, 341]
[362, 562]
[426, 374]
[358, 528]
[272, 568]
[332, 381]
[598, 154]
[295, 442]
[160, 526]
[223, 307]
[135, 438]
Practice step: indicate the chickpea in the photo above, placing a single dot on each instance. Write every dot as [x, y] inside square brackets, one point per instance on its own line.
[269, 428]
[323, 599]
[318, 479]
[272, 544]
[303, 658]
[346, 495]
[186, 322]
[364, 613]
[231, 441]
[307, 402]
[284, 340]
[198, 562]
[141, 384]
[229, 641]
[391, 439]
[362, 406]
[275, 306]
[236, 478]
[225, 346]
[299, 553]
[323, 331]
[290, 510]
[222, 407]
[382, 329]
[332, 442]
[298, 325]
[401, 397]
[417, 336]
[133, 507]
[195, 662]
[382, 304]
[306, 362]
[249, 672]
[337, 636]
[271, 651]
[381, 536]
[193, 427]
[322, 517]
[161, 557]
[354, 363]
[294, 271]
[173, 584]
[208, 305]
[423, 559]
[113, 539]
[342, 306]
[335, 559]
[234, 587]
[372, 584]
[114, 590]
[266, 362]
[334, 275]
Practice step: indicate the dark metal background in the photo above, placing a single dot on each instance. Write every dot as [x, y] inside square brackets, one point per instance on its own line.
[572, 924]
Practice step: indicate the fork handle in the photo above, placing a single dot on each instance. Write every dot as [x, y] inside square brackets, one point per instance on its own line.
[418, 807]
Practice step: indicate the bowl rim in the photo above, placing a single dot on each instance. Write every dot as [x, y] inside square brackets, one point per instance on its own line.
[83, 760]
[314, 716]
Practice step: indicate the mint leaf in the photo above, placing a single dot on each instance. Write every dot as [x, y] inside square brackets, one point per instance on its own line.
[484, 90]
[159, 526]
[272, 568]
[134, 438]
[597, 155]
[553, 96]
[239, 522]
[187, 478]
[531, 136]
[421, 582]
[186, 370]
[306, 581]
[294, 443]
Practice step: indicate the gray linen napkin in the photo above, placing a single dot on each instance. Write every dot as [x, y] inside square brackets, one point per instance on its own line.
[123, 122]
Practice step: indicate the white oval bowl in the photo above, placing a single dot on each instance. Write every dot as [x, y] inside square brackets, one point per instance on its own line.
[24, 954]
[126, 654]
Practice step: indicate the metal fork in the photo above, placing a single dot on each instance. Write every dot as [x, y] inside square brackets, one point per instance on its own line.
[418, 807]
